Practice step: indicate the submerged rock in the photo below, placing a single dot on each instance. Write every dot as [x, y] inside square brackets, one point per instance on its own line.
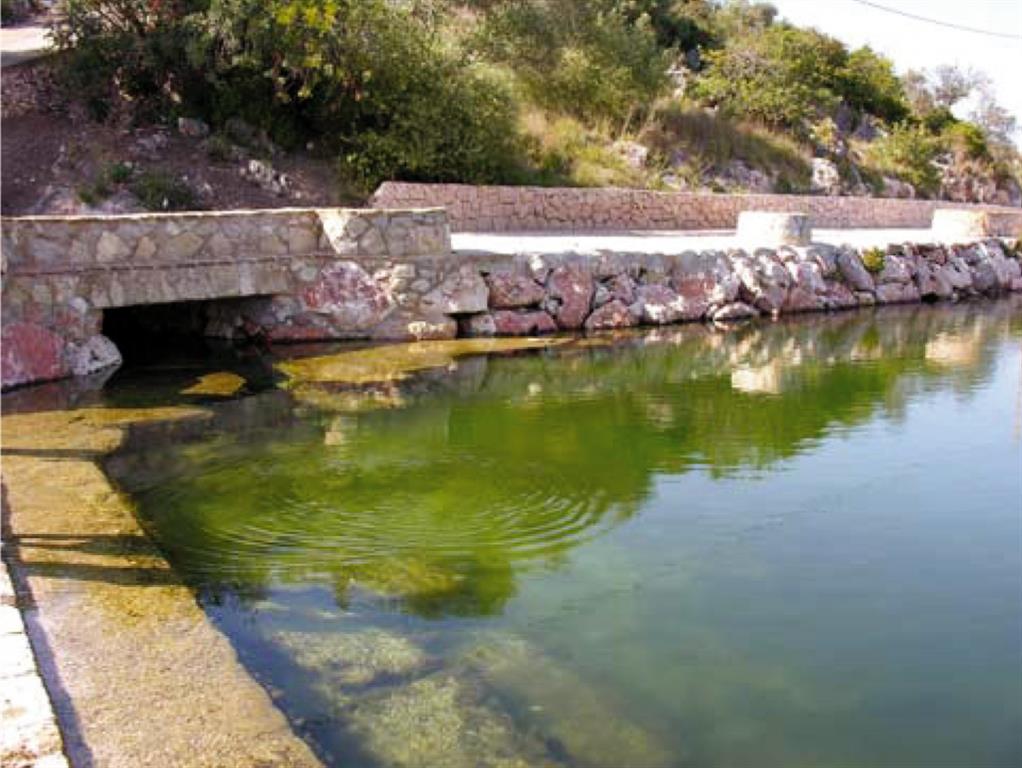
[441, 721]
[585, 723]
[353, 658]
[393, 362]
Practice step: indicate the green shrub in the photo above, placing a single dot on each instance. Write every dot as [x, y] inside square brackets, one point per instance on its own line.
[219, 148]
[780, 76]
[967, 140]
[126, 48]
[594, 61]
[370, 80]
[119, 173]
[908, 152]
[161, 191]
[874, 259]
[869, 84]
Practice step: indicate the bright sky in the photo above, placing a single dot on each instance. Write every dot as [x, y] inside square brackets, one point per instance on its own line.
[915, 44]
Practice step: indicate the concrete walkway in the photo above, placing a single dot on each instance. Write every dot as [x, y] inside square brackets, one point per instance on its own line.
[30, 736]
[654, 241]
[24, 42]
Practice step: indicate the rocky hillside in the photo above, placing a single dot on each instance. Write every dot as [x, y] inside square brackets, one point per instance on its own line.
[226, 102]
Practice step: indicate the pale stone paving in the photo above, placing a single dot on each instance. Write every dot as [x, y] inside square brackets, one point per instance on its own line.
[30, 736]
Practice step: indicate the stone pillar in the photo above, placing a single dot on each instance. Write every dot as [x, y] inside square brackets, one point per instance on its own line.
[952, 225]
[767, 229]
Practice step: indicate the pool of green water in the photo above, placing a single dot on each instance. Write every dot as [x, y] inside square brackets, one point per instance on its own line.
[791, 544]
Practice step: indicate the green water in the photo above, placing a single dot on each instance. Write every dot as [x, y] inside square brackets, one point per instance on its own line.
[788, 545]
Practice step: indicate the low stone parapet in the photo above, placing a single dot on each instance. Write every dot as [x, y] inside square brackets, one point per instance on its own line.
[521, 209]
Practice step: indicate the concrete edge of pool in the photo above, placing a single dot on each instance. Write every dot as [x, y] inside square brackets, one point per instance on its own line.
[82, 563]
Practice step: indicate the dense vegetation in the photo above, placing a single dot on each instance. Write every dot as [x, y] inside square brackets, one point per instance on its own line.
[538, 91]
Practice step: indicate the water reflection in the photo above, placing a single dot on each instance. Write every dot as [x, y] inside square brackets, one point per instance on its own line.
[432, 499]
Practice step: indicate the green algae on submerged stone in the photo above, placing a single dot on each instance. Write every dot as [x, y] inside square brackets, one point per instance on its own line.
[394, 362]
[219, 384]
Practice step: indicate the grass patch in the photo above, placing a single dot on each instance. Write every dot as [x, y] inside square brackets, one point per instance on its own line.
[564, 153]
[714, 142]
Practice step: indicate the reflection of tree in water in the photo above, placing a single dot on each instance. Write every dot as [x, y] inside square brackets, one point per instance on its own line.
[438, 505]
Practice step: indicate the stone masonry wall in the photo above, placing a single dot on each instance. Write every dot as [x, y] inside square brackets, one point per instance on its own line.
[502, 209]
[322, 274]
[314, 275]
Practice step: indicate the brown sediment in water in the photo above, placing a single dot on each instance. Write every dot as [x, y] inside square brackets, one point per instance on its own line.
[139, 675]
[395, 362]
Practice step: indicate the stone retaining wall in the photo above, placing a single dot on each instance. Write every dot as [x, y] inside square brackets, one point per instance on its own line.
[503, 209]
[315, 275]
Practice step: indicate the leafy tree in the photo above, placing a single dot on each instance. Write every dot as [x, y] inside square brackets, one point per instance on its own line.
[951, 84]
[909, 152]
[869, 84]
[591, 60]
[781, 76]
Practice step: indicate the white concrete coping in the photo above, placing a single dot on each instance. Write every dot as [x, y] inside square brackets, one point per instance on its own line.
[957, 225]
[769, 229]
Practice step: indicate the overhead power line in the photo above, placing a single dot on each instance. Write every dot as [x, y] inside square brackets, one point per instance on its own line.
[938, 22]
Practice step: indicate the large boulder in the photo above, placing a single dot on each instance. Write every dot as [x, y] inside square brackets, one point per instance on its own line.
[826, 179]
[31, 353]
[522, 323]
[570, 289]
[897, 293]
[660, 305]
[853, 271]
[897, 269]
[931, 282]
[737, 310]
[511, 290]
[461, 292]
[764, 282]
[614, 314]
[94, 354]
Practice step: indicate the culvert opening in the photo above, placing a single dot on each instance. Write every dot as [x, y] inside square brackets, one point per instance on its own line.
[156, 333]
